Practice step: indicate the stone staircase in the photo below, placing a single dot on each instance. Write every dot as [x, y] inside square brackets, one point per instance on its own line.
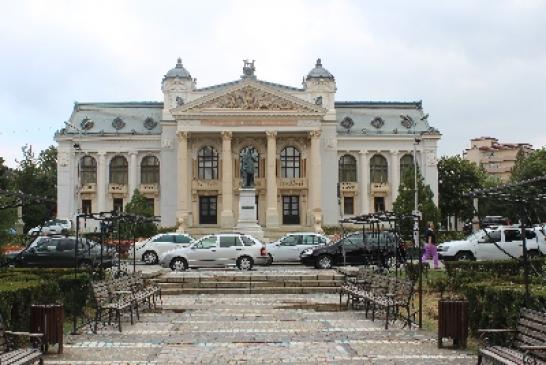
[237, 282]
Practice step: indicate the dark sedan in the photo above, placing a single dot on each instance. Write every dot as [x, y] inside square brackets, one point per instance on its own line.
[59, 252]
[355, 249]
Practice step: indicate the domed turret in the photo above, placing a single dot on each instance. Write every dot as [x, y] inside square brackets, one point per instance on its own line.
[179, 71]
[319, 72]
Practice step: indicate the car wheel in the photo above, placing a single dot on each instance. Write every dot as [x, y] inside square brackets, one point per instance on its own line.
[269, 260]
[245, 263]
[150, 258]
[179, 264]
[324, 262]
[464, 256]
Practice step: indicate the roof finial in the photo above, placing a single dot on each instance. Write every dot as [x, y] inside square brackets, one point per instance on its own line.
[319, 63]
[179, 62]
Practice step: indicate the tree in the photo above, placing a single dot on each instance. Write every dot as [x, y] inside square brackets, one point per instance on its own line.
[528, 166]
[456, 176]
[37, 176]
[140, 206]
[7, 216]
[405, 203]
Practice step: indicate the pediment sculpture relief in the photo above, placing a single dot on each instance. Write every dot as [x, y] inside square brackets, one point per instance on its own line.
[250, 98]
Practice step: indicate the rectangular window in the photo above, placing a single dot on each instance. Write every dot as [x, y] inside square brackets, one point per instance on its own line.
[118, 205]
[348, 205]
[207, 209]
[86, 206]
[379, 204]
[291, 209]
[150, 202]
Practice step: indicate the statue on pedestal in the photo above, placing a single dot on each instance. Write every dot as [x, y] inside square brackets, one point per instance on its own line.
[247, 168]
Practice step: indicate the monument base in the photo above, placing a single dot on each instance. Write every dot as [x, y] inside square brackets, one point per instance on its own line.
[247, 222]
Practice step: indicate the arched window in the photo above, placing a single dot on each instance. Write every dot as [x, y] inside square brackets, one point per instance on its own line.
[149, 170]
[118, 170]
[207, 163]
[88, 170]
[347, 168]
[378, 169]
[255, 155]
[290, 162]
[406, 163]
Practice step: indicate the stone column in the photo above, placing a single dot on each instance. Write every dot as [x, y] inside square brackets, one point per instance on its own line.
[227, 181]
[315, 176]
[272, 214]
[182, 181]
[102, 182]
[395, 174]
[133, 173]
[364, 183]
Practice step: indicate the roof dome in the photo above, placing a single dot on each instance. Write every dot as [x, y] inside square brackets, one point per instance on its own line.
[319, 72]
[178, 71]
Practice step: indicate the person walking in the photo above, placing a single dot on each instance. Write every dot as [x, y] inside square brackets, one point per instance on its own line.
[430, 246]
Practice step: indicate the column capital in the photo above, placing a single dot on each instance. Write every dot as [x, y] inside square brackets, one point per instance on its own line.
[133, 153]
[182, 135]
[363, 152]
[394, 152]
[315, 133]
[271, 134]
[227, 135]
[101, 153]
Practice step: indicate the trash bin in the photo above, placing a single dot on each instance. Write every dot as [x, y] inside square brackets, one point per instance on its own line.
[453, 322]
[48, 319]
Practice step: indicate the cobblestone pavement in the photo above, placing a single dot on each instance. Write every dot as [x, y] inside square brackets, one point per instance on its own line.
[256, 329]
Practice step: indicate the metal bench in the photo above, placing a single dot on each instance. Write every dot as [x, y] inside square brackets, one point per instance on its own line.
[111, 301]
[527, 345]
[11, 355]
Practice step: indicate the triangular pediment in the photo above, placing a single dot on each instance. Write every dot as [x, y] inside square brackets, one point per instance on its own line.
[249, 96]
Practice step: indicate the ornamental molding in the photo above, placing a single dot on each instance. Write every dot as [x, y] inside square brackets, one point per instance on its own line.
[377, 122]
[149, 123]
[347, 123]
[118, 123]
[248, 97]
[86, 124]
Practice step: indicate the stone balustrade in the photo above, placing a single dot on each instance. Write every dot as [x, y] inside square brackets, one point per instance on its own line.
[88, 188]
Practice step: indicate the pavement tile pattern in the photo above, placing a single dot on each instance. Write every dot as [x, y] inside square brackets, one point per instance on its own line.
[254, 329]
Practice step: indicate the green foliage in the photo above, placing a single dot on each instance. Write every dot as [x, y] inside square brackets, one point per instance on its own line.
[456, 176]
[405, 203]
[19, 288]
[7, 216]
[529, 166]
[37, 176]
[139, 206]
[446, 236]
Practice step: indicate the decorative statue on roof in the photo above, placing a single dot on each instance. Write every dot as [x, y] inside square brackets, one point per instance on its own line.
[248, 68]
[248, 161]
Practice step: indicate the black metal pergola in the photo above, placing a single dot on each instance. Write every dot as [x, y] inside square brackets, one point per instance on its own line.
[527, 200]
[375, 223]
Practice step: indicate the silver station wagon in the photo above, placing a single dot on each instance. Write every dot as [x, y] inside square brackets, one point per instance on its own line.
[218, 250]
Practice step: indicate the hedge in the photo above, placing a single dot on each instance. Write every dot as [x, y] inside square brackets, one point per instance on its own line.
[19, 288]
[497, 306]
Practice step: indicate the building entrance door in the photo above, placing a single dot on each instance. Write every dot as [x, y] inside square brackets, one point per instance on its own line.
[291, 209]
[379, 204]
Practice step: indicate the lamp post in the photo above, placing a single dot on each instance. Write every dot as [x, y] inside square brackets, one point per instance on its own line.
[416, 215]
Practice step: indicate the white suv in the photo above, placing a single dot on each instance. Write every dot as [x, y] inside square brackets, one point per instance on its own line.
[289, 247]
[224, 249]
[53, 226]
[151, 249]
[494, 243]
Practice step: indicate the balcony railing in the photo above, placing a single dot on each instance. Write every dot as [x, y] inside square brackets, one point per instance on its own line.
[295, 183]
[88, 188]
[149, 188]
[205, 184]
[380, 188]
[347, 187]
[117, 188]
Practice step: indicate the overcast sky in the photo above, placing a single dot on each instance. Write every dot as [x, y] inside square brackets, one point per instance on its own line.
[478, 66]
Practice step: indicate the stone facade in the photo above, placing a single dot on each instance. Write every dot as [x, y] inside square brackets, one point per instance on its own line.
[184, 153]
[496, 158]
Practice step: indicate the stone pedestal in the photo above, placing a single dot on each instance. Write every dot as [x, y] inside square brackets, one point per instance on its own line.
[247, 222]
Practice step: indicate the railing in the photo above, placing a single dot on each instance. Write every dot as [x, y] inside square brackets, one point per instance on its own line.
[149, 188]
[88, 188]
[348, 187]
[117, 188]
[205, 184]
[295, 183]
[380, 188]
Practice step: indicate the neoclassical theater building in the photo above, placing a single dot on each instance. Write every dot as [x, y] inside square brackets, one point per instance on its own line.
[184, 153]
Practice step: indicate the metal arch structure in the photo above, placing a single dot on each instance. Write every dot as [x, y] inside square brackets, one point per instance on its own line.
[528, 199]
[393, 219]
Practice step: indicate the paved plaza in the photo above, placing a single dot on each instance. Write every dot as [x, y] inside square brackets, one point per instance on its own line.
[255, 329]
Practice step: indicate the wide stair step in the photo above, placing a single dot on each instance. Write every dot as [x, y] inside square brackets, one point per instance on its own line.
[248, 283]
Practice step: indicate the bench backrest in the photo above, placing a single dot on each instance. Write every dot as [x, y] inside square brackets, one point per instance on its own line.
[531, 329]
[101, 292]
[3, 343]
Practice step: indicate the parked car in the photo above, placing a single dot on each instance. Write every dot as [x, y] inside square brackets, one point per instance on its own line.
[59, 252]
[151, 249]
[356, 249]
[495, 243]
[53, 226]
[224, 249]
[289, 247]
